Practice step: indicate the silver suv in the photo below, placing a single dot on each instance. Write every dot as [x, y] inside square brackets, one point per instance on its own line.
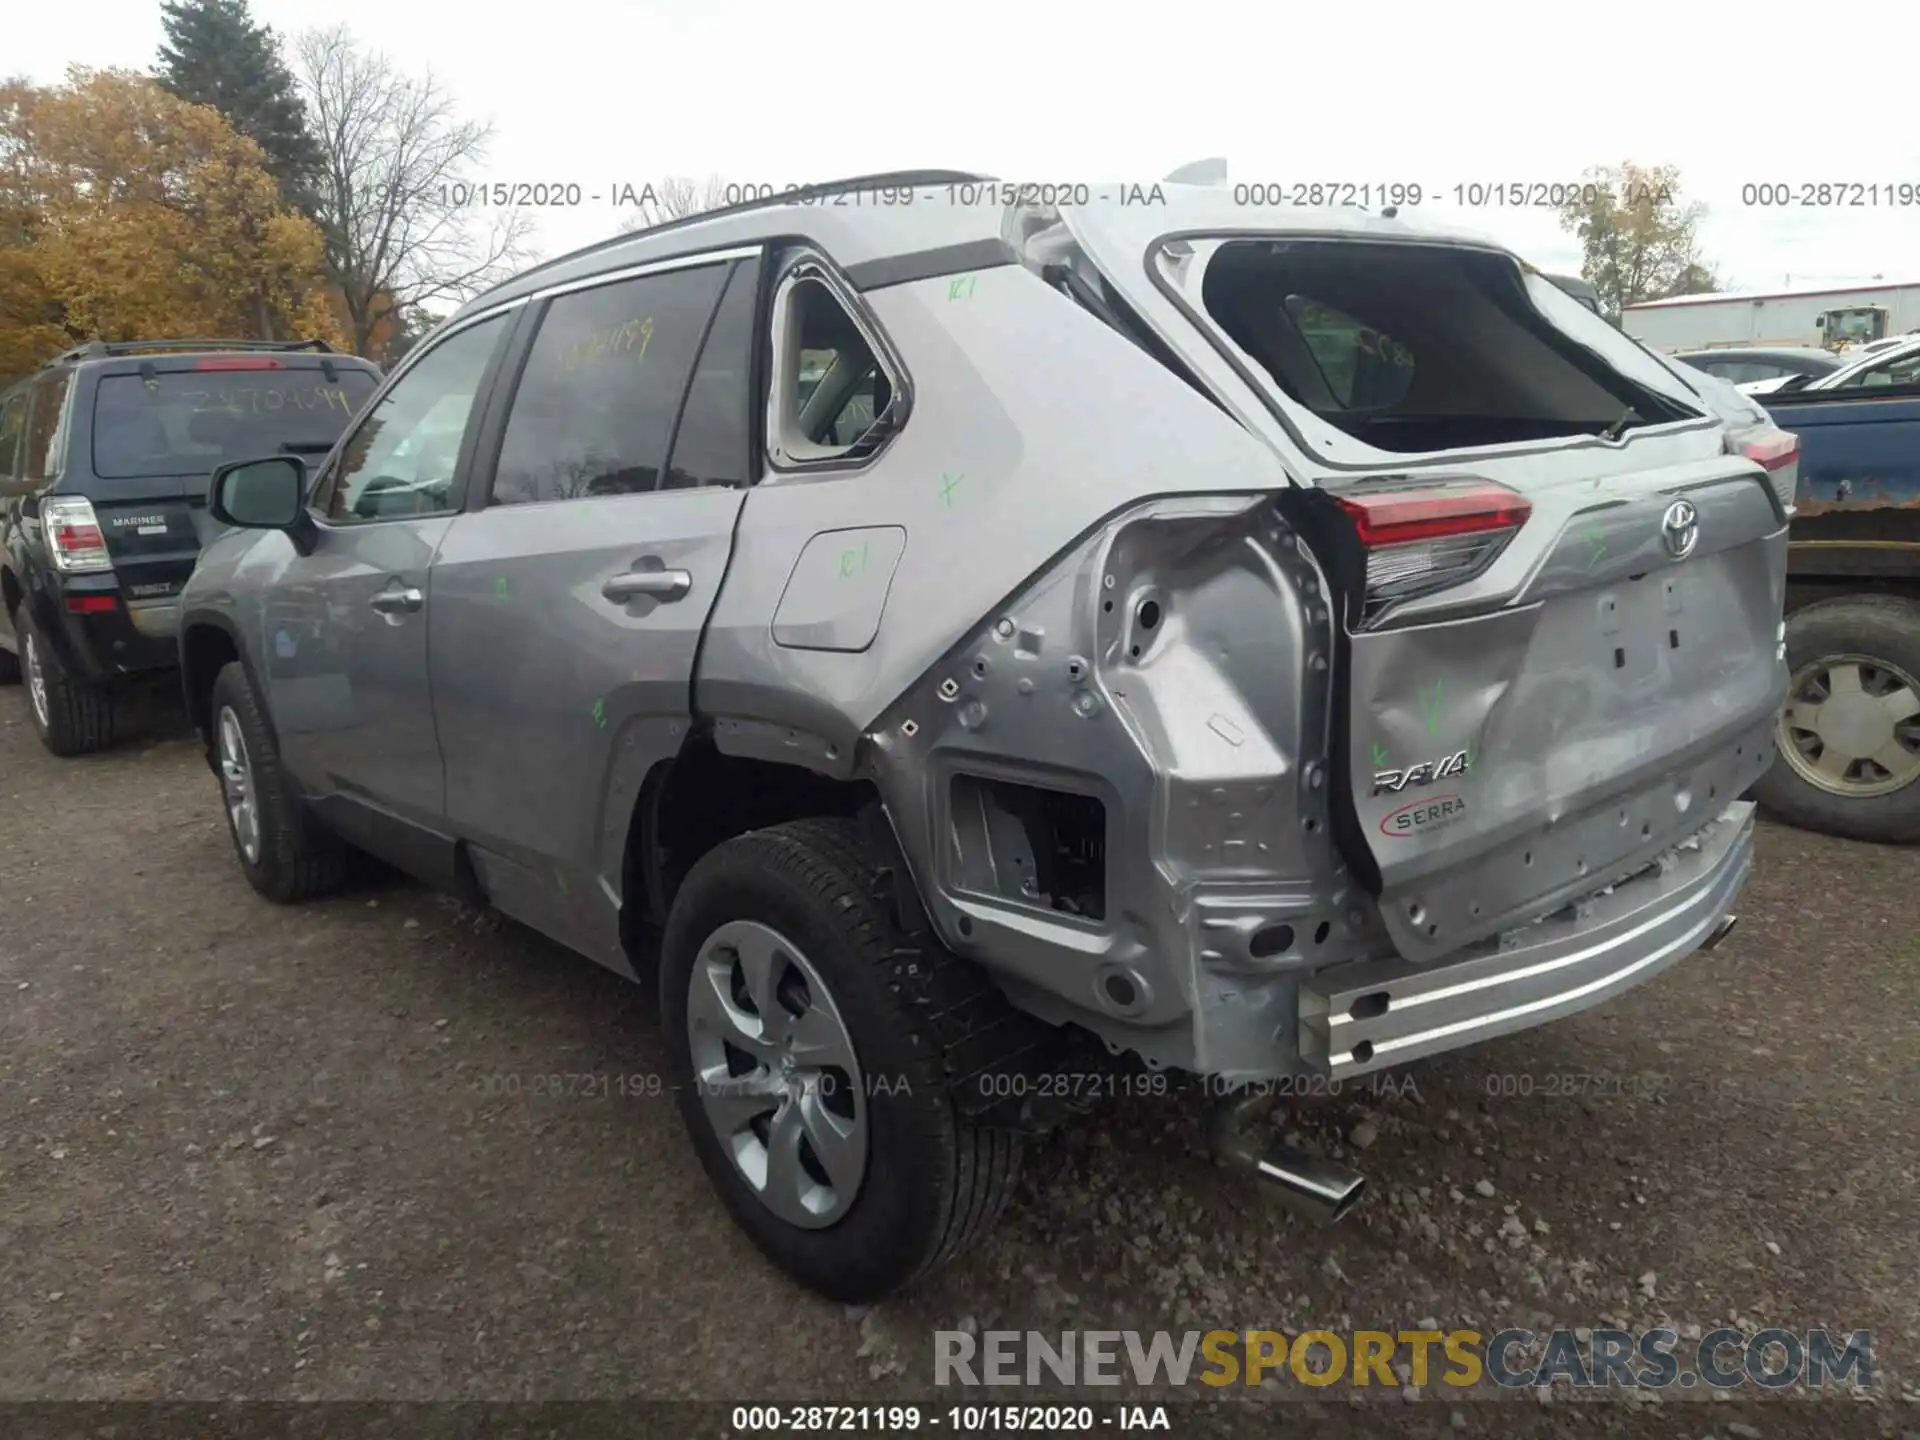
[923, 628]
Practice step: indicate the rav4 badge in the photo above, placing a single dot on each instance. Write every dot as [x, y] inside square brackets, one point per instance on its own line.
[1392, 782]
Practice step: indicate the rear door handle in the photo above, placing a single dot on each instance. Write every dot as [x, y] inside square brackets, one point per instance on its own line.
[662, 585]
[390, 602]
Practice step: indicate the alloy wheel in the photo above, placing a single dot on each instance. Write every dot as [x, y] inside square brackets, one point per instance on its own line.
[236, 784]
[776, 1073]
[36, 680]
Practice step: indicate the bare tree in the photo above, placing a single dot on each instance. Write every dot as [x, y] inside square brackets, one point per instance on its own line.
[672, 198]
[404, 226]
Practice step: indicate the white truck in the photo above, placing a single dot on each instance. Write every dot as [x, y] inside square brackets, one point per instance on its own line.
[1834, 319]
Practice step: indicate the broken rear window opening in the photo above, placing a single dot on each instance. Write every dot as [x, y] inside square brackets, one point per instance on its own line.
[184, 422]
[1417, 348]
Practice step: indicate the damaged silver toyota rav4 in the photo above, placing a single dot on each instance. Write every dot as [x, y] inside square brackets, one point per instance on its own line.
[925, 638]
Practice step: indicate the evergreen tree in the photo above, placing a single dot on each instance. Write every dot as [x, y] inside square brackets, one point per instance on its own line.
[217, 54]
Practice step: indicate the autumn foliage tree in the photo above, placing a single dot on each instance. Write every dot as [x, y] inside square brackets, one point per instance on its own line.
[1637, 239]
[127, 213]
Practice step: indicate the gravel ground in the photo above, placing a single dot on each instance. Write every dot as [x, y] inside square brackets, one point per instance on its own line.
[273, 1154]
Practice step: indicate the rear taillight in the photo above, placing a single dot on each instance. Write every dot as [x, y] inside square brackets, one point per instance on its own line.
[73, 535]
[238, 362]
[1774, 449]
[1424, 538]
[92, 604]
[1778, 453]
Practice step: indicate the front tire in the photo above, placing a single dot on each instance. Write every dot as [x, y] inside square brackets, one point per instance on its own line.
[800, 1018]
[284, 852]
[1847, 743]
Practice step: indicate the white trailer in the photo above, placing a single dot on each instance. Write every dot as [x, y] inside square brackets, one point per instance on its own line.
[1830, 318]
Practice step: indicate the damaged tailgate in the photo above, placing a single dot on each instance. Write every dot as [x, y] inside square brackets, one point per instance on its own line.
[1562, 646]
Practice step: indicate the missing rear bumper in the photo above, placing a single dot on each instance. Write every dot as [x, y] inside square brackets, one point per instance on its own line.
[1364, 1016]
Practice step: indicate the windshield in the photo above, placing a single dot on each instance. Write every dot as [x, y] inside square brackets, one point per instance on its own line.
[185, 422]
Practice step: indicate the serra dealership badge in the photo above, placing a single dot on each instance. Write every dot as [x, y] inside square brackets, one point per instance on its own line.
[1419, 817]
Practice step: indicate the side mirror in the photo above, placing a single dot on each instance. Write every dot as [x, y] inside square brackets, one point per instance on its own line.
[267, 494]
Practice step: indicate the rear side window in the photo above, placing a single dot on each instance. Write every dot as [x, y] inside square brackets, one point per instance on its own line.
[836, 387]
[191, 422]
[594, 410]
[13, 424]
[42, 455]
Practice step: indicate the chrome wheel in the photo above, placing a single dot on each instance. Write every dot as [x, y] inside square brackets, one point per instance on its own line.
[36, 679]
[1851, 726]
[236, 782]
[776, 1073]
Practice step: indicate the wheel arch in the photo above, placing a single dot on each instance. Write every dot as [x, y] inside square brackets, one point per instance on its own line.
[208, 644]
[703, 796]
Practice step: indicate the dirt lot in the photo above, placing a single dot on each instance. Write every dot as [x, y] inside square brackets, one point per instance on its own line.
[272, 1154]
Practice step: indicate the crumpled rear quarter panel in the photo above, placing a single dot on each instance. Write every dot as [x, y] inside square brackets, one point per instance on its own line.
[1037, 437]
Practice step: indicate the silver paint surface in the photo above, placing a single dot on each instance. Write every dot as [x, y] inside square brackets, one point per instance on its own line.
[1051, 480]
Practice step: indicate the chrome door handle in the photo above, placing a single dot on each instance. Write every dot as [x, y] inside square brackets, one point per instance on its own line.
[662, 585]
[387, 602]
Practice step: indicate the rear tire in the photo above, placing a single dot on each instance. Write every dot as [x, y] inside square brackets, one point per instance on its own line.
[70, 716]
[921, 1182]
[1868, 643]
[284, 852]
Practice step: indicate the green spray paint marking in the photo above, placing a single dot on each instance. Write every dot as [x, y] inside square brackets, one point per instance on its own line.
[500, 588]
[560, 880]
[948, 484]
[1379, 757]
[1430, 705]
[852, 562]
[1599, 544]
[962, 289]
[600, 713]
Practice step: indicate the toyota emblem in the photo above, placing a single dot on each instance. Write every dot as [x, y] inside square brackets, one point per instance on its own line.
[1680, 529]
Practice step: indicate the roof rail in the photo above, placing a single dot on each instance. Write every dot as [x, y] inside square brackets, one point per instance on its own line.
[887, 179]
[108, 349]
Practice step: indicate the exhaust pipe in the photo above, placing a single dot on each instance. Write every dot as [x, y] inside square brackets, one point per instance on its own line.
[1320, 1190]
[1720, 932]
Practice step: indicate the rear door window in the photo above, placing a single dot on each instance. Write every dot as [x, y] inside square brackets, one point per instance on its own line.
[594, 411]
[712, 443]
[189, 422]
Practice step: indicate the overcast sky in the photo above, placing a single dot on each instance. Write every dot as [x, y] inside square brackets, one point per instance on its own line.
[599, 92]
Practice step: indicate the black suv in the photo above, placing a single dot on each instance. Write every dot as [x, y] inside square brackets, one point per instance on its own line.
[105, 455]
